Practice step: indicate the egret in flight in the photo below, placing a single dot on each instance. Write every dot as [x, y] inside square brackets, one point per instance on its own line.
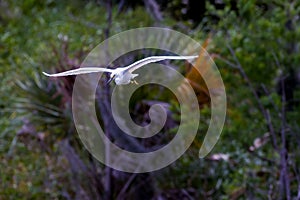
[121, 75]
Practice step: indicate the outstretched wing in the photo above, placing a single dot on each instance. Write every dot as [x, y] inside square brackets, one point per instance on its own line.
[83, 70]
[153, 59]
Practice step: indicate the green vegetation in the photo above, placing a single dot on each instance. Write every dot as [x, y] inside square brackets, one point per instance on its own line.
[255, 45]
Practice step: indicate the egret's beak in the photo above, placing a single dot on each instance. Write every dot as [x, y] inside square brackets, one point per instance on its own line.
[110, 80]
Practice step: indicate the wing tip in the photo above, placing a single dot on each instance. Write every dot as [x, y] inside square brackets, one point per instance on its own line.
[46, 74]
[50, 75]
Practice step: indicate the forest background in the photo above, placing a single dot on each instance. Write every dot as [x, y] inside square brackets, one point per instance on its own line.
[255, 45]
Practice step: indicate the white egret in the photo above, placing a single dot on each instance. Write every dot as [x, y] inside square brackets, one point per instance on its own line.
[121, 75]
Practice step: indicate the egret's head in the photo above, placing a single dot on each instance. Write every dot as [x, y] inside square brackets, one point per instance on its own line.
[121, 77]
[112, 77]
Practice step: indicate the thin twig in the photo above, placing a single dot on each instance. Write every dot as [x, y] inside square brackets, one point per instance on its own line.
[271, 99]
[125, 187]
[246, 78]
[272, 131]
[226, 61]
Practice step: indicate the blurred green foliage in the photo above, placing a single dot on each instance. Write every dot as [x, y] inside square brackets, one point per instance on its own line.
[264, 36]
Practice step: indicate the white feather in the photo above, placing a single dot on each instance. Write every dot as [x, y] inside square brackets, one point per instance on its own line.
[122, 75]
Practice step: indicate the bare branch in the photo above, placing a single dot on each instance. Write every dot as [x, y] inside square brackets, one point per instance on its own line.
[285, 182]
[153, 8]
[265, 112]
